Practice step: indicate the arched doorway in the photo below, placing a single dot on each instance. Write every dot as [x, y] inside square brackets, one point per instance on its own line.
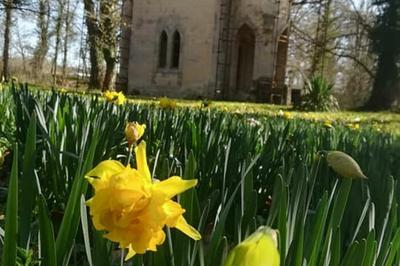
[245, 57]
[281, 58]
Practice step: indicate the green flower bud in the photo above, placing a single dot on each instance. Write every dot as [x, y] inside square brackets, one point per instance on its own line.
[259, 249]
[344, 165]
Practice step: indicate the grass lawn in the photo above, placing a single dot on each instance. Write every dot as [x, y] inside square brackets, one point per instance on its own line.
[388, 122]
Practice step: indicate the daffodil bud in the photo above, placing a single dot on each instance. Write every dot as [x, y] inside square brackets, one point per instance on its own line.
[133, 132]
[259, 249]
[344, 164]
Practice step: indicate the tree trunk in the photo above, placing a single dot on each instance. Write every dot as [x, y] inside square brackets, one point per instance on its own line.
[109, 57]
[321, 38]
[41, 50]
[384, 90]
[385, 37]
[324, 42]
[68, 18]
[60, 17]
[109, 23]
[7, 38]
[316, 54]
[93, 38]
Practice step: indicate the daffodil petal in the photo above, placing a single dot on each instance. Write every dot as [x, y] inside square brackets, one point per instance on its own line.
[187, 229]
[89, 202]
[173, 210]
[141, 161]
[157, 239]
[130, 254]
[174, 186]
[105, 169]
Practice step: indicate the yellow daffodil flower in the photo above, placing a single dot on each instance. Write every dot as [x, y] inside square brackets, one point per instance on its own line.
[353, 126]
[343, 164]
[132, 209]
[109, 95]
[133, 132]
[287, 115]
[115, 97]
[259, 249]
[121, 99]
[167, 103]
[328, 124]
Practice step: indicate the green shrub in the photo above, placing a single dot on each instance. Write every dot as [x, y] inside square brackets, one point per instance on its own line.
[318, 96]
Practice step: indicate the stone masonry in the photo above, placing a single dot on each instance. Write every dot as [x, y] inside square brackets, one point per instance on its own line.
[226, 49]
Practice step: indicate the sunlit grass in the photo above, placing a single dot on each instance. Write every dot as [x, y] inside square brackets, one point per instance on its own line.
[388, 122]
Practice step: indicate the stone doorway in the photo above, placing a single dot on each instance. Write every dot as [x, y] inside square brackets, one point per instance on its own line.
[246, 40]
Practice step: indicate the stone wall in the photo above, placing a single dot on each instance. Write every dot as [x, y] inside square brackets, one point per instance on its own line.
[199, 24]
[196, 21]
[261, 17]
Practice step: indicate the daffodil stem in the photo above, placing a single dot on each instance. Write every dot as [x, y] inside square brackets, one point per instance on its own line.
[171, 250]
[129, 155]
[122, 257]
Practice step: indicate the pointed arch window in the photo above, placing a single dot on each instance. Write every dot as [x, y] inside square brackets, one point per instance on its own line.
[162, 53]
[176, 50]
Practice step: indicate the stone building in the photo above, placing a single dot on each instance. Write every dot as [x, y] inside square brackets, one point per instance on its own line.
[224, 49]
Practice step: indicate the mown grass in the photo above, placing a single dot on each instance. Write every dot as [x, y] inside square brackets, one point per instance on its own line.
[252, 169]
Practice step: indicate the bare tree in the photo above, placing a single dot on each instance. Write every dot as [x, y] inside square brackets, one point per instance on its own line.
[334, 44]
[8, 6]
[94, 41]
[43, 20]
[58, 29]
[68, 32]
[109, 24]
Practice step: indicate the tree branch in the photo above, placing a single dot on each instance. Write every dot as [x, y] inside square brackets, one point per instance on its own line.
[306, 37]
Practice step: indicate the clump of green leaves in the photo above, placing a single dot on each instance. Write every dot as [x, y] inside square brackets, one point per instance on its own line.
[253, 173]
[26, 258]
[318, 96]
[7, 125]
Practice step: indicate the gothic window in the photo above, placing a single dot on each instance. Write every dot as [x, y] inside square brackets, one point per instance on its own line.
[162, 53]
[176, 50]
